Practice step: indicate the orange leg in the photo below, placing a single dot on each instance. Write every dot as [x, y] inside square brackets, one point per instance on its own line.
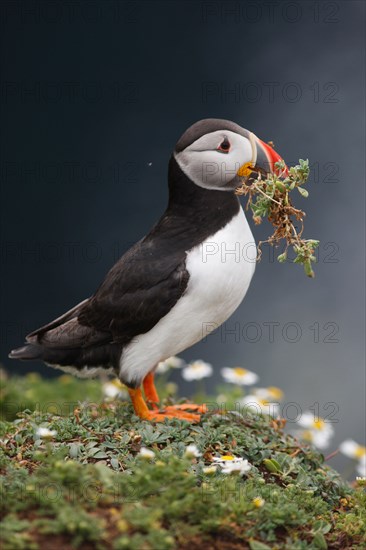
[150, 391]
[142, 410]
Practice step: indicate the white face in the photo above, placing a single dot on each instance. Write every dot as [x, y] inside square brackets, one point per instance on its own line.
[213, 160]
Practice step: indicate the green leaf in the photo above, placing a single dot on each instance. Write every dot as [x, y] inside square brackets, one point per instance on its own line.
[303, 192]
[114, 463]
[308, 269]
[280, 164]
[292, 185]
[280, 186]
[92, 452]
[321, 526]
[272, 465]
[74, 450]
[282, 258]
[304, 163]
[257, 545]
[100, 454]
[319, 541]
[91, 445]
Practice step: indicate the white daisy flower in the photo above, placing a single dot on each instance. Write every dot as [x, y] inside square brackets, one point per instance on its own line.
[192, 451]
[320, 440]
[114, 389]
[318, 431]
[170, 363]
[350, 448]
[308, 420]
[197, 370]
[240, 376]
[223, 459]
[45, 433]
[259, 405]
[270, 394]
[146, 454]
[233, 465]
[240, 469]
[361, 467]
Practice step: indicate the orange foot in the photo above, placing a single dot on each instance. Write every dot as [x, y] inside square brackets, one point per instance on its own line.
[187, 407]
[152, 399]
[160, 416]
[142, 410]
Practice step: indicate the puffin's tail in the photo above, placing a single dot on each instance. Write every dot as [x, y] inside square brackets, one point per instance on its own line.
[103, 355]
[29, 352]
[51, 356]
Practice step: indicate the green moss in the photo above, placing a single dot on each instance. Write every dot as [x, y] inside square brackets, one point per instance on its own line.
[57, 396]
[89, 486]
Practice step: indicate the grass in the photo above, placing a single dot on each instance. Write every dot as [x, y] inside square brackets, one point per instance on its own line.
[89, 487]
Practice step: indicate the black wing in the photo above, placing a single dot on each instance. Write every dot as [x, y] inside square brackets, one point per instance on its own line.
[138, 291]
[66, 332]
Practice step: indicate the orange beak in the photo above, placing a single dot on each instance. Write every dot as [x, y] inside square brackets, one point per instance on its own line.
[264, 159]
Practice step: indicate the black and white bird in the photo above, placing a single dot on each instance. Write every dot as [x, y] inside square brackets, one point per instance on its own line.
[183, 279]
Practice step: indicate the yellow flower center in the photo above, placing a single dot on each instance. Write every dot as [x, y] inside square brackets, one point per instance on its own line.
[239, 371]
[227, 457]
[360, 452]
[319, 424]
[258, 502]
[274, 392]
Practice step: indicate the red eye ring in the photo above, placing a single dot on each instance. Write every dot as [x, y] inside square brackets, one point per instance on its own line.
[224, 146]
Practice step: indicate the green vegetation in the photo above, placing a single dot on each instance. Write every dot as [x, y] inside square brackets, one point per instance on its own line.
[85, 483]
[272, 198]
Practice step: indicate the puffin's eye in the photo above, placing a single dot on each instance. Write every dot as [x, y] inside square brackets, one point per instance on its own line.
[224, 146]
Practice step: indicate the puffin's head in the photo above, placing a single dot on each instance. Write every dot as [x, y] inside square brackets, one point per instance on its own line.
[218, 154]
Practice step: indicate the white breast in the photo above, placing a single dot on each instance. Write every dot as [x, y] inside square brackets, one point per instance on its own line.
[220, 271]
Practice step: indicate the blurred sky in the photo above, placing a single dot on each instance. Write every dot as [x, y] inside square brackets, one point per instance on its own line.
[94, 96]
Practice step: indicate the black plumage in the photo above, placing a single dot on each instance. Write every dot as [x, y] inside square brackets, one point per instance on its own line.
[141, 287]
[206, 126]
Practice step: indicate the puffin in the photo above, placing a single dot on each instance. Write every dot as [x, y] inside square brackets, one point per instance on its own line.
[183, 279]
